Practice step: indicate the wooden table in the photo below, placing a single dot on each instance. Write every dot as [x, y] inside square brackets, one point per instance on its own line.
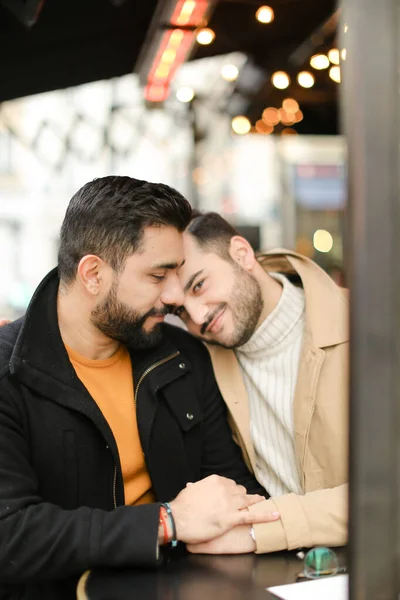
[196, 577]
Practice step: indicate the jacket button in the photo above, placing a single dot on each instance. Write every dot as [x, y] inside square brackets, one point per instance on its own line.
[182, 366]
[189, 416]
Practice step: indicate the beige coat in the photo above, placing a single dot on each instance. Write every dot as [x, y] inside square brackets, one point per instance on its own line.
[319, 517]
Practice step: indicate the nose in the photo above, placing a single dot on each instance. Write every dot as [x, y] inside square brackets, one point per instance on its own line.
[173, 293]
[196, 311]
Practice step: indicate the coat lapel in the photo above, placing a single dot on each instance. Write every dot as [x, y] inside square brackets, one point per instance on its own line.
[310, 365]
[232, 387]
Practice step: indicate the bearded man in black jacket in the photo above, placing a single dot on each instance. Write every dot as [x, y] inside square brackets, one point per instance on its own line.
[106, 412]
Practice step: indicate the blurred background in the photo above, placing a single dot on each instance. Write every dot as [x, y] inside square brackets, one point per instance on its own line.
[233, 102]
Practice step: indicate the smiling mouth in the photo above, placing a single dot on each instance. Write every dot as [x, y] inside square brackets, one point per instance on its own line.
[215, 321]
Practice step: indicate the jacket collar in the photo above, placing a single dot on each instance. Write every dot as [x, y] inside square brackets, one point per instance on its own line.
[39, 344]
[327, 306]
[39, 354]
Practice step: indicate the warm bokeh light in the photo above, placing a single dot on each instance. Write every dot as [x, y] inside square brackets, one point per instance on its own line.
[230, 72]
[270, 116]
[176, 38]
[290, 105]
[172, 52]
[298, 115]
[188, 7]
[185, 94]
[162, 71]
[323, 240]
[286, 118]
[189, 13]
[241, 125]
[334, 74]
[305, 79]
[280, 80]
[265, 14]
[319, 61]
[289, 131]
[156, 93]
[205, 36]
[168, 56]
[345, 28]
[334, 56]
[344, 54]
[262, 127]
[186, 12]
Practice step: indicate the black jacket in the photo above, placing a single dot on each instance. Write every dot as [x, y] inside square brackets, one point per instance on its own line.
[61, 488]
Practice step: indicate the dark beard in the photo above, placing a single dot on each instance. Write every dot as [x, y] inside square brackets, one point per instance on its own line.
[119, 322]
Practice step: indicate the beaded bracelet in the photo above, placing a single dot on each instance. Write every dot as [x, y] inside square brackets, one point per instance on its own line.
[174, 541]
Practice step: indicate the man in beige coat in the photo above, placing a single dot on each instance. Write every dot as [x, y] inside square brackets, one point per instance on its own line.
[277, 332]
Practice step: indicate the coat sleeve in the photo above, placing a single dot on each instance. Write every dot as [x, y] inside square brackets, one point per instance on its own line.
[221, 455]
[318, 518]
[40, 541]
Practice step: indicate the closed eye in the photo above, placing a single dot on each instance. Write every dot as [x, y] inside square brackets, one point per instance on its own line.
[158, 277]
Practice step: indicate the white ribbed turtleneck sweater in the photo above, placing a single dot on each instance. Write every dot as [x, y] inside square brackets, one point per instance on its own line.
[270, 361]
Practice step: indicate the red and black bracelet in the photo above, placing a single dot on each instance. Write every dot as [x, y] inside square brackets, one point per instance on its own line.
[167, 507]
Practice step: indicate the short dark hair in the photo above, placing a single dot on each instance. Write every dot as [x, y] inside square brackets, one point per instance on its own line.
[108, 215]
[212, 232]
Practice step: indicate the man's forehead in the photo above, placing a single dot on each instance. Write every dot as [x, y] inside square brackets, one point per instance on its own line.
[193, 251]
[160, 247]
[157, 234]
[194, 256]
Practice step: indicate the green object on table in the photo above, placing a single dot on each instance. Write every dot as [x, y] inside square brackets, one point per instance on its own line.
[320, 562]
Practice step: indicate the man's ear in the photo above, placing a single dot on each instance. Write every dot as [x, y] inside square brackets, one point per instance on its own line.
[91, 272]
[241, 252]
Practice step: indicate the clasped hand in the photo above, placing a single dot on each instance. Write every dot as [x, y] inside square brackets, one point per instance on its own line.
[211, 516]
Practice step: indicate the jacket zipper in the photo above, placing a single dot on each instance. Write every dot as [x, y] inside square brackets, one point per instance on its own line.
[144, 374]
[114, 487]
[150, 369]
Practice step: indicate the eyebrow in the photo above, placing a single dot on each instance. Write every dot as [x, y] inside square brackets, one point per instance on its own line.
[169, 266]
[191, 280]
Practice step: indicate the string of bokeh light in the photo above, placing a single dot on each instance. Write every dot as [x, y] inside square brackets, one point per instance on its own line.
[289, 113]
[281, 80]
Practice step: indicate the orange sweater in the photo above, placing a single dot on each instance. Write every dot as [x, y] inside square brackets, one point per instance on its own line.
[110, 383]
